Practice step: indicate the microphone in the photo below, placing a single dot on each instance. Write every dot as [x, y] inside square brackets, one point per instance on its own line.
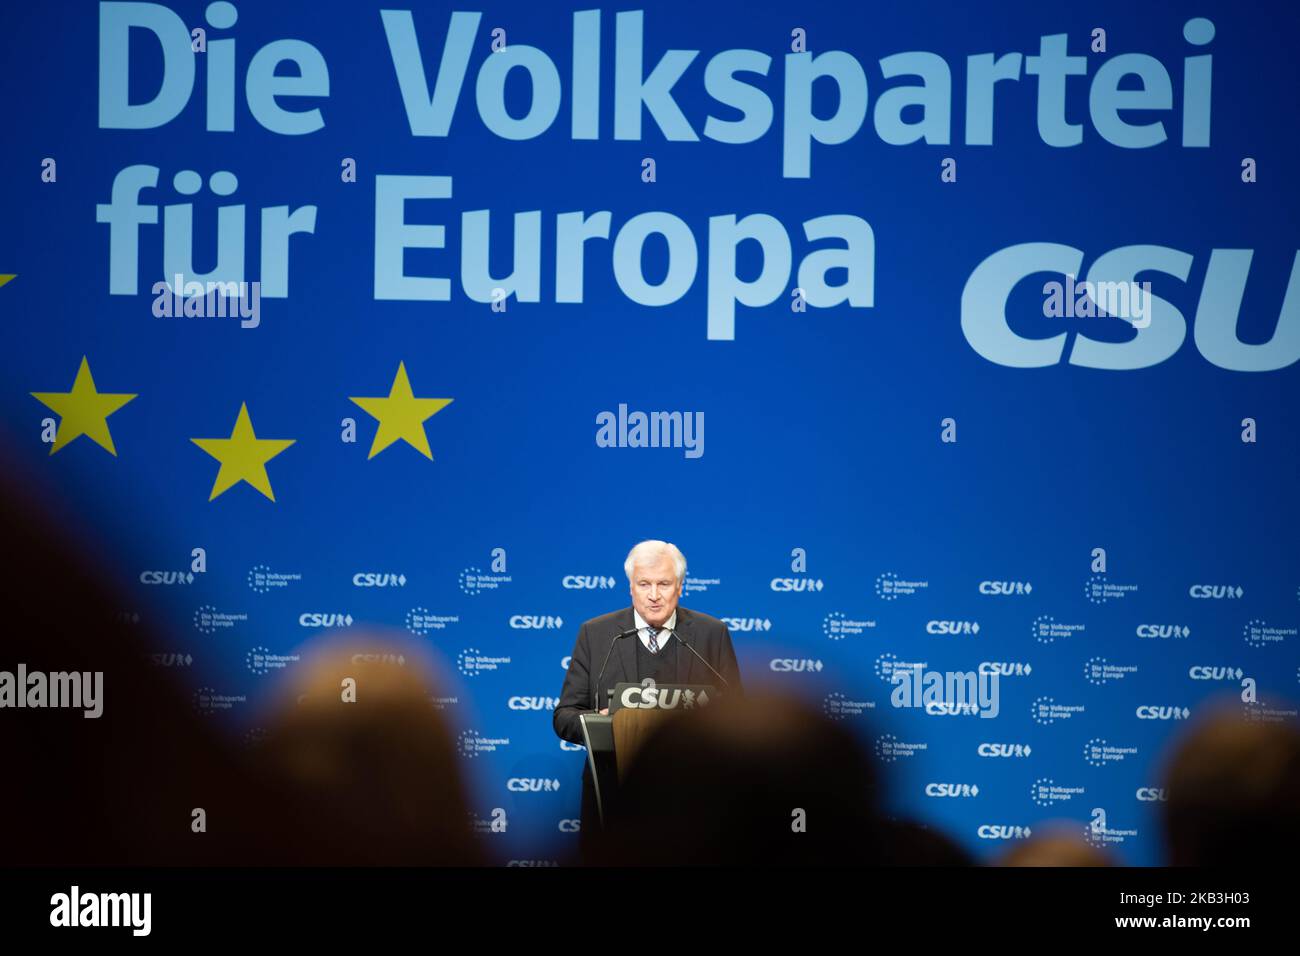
[700, 656]
[615, 640]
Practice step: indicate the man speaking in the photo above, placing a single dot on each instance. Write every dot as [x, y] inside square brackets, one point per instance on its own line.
[653, 638]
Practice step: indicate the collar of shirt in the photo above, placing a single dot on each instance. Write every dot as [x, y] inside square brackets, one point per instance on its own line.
[643, 629]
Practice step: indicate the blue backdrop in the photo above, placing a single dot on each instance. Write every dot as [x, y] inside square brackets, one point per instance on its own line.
[828, 514]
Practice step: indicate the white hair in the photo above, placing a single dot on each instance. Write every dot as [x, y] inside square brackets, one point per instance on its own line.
[647, 551]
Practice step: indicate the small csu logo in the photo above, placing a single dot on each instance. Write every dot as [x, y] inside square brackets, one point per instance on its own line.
[532, 785]
[792, 665]
[1216, 592]
[1155, 712]
[1006, 668]
[741, 625]
[315, 619]
[377, 579]
[1005, 587]
[797, 584]
[952, 627]
[587, 582]
[1003, 750]
[1152, 794]
[532, 703]
[1163, 631]
[1003, 831]
[1204, 672]
[951, 790]
[526, 622]
[379, 658]
[169, 660]
[166, 577]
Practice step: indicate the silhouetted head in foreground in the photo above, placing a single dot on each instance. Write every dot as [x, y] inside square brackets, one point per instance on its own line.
[367, 762]
[757, 781]
[123, 781]
[1061, 845]
[1233, 792]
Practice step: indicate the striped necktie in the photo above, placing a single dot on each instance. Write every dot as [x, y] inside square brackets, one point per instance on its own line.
[654, 645]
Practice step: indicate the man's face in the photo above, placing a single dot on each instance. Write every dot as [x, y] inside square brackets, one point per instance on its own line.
[655, 590]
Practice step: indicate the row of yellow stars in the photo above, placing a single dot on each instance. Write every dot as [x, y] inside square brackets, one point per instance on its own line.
[243, 456]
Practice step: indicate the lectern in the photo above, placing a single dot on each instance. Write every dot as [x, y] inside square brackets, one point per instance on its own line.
[635, 711]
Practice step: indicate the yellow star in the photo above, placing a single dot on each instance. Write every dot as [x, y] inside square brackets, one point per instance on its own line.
[402, 415]
[83, 411]
[6, 278]
[243, 456]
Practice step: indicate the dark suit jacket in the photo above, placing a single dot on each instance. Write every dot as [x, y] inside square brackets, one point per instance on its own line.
[706, 634]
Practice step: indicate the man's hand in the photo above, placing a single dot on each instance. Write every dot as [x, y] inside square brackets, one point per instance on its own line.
[605, 711]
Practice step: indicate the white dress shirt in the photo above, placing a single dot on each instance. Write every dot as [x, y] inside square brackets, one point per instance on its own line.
[643, 629]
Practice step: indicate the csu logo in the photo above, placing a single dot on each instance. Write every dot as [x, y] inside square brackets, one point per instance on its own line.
[1006, 668]
[952, 627]
[532, 785]
[570, 826]
[1151, 712]
[741, 624]
[1215, 591]
[1001, 831]
[951, 790]
[170, 660]
[662, 698]
[532, 703]
[797, 584]
[1004, 750]
[1152, 794]
[371, 579]
[986, 293]
[783, 665]
[1163, 630]
[1005, 587]
[524, 622]
[318, 619]
[166, 577]
[578, 582]
[1198, 672]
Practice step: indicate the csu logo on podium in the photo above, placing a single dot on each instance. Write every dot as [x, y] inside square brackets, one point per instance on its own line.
[650, 696]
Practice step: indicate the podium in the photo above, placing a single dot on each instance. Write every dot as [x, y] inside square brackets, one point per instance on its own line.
[635, 712]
